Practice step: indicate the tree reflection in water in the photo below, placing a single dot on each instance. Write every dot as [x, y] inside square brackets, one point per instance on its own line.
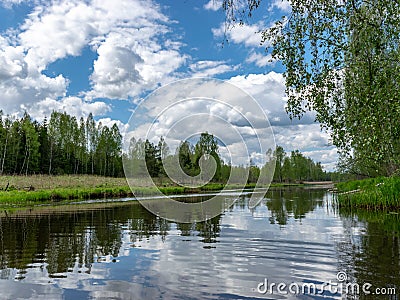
[369, 252]
[285, 203]
[64, 241]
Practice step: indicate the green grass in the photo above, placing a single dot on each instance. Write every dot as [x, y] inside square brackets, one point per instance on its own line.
[16, 197]
[37, 189]
[374, 193]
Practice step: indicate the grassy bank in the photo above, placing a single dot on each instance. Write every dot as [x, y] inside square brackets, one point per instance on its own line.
[29, 190]
[371, 194]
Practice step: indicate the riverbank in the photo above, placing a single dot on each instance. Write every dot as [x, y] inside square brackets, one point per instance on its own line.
[372, 194]
[30, 190]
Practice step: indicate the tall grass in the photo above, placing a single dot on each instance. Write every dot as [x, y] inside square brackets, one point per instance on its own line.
[372, 193]
[30, 190]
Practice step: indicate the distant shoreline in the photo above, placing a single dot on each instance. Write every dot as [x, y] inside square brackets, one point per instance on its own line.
[21, 191]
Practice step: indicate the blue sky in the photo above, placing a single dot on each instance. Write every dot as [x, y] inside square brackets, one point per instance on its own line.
[104, 56]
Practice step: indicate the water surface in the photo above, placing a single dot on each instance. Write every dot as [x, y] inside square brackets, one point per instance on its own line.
[122, 251]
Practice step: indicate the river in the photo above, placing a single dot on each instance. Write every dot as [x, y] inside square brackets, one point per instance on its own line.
[294, 244]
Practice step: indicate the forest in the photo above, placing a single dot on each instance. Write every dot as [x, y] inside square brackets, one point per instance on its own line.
[63, 145]
[58, 146]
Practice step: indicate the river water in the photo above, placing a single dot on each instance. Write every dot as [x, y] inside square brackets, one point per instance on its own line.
[294, 244]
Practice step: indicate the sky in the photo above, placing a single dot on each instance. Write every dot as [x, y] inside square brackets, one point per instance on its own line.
[104, 57]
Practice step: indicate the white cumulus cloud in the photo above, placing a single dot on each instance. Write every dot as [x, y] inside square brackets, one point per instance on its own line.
[283, 5]
[130, 38]
[213, 5]
[248, 35]
[206, 68]
[260, 60]
[74, 106]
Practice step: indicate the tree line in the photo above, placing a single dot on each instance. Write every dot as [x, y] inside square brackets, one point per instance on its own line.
[63, 144]
[59, 145]
[297, 167]
[291, 168]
